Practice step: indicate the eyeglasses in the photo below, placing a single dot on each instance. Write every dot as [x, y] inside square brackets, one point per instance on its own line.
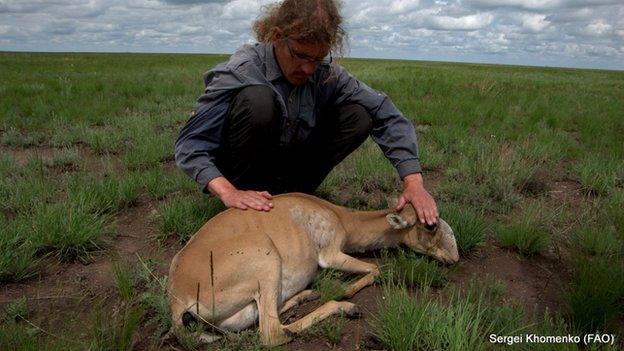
[303, 57]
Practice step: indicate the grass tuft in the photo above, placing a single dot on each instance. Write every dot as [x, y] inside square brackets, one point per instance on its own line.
[114, 330]
[183, 216]
[461, 322]
[408, 268]
[599, 175]
[468, 226]
[330, 329]
[330, 283]
[527, 232]
[124, 281]
[597, 241]
[70, 230]
[110, 194]
[594, 297]
[154, 296]
[159, 182]
[17, 252]
[16, 309]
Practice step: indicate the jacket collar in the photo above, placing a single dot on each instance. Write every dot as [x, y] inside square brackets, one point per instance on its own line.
[273, 71]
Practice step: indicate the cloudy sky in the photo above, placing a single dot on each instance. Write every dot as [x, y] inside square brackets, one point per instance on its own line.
[569, 33]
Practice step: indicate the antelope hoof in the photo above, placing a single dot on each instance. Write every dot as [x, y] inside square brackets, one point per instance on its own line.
[276, 340]
[353, 312]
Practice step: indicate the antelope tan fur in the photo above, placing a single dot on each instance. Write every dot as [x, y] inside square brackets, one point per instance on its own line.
[242, 265]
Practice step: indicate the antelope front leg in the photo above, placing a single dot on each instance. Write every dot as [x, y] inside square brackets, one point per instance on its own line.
[326, 310]
[303, 296]
[344, 262]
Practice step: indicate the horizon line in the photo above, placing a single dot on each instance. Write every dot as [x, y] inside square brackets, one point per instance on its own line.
[346, 57]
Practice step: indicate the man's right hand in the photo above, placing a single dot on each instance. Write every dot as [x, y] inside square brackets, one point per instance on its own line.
[243, 199]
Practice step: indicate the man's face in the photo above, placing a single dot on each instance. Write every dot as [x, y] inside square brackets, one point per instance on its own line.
[297, 60]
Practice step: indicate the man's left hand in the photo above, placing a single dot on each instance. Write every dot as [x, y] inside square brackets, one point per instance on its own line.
[423, 202]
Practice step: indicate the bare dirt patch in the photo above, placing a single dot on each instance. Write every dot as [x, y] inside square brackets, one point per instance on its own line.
[532, 282]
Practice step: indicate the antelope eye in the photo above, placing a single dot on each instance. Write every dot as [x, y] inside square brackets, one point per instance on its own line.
[431, 227]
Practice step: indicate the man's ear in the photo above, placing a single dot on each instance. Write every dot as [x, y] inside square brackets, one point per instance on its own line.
[276, 34]
[396, 221]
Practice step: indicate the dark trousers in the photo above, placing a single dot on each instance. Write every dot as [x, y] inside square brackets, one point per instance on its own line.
[251, 157]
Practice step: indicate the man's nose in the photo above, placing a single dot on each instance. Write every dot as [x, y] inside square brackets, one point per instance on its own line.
[308, 68]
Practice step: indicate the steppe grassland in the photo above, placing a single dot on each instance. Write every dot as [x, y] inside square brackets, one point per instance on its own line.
[84, 137]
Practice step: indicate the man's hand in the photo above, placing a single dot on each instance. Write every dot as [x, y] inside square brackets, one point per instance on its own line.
[243, 199]
[415, 193]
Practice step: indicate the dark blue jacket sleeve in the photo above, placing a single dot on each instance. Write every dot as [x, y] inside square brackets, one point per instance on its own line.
[199, 140]
[394, 133]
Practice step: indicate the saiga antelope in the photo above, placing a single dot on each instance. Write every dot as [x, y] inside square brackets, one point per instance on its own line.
[242, 265]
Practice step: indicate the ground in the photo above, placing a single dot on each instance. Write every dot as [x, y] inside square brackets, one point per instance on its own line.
[63, 287]
[525, 161]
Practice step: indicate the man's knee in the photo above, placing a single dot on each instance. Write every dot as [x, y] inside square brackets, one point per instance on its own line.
[255, 106]
[356, 120]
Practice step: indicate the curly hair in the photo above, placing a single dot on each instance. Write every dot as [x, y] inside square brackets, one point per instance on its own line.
[308, 21]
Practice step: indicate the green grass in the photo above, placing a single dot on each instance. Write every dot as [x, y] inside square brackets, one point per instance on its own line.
[149, 150]
[17, 252]
[159, 182]
[68, 229]
[66, 158]
[599, 175]
[330, 329]
[613, 212]
[594, 297]
[593, 239]
[114, 331]
[468, 225]
[111, 194]
[528, 232]
[124, 281]
[331, 284]
[16, 310]
[103, 140]
[460, 319]
[15, 138]
[406, 323]
[410, 269]
[17, 336]
[181, 217]
[154, 296]
[100, 130]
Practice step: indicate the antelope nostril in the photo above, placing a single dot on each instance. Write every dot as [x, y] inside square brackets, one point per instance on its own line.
[431, 227]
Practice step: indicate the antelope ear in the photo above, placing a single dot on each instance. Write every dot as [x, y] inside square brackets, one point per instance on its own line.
[396, 221]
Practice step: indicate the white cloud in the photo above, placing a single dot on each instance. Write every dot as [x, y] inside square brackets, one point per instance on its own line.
[522, 4]
[538, 4]
[471, 22]
[597, 28]
[534, 23]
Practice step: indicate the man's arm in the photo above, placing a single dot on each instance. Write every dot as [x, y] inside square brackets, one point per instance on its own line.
[396, 137]
[198, 142]
[195, 153]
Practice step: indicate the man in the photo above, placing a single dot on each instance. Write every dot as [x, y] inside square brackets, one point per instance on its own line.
[280, 115]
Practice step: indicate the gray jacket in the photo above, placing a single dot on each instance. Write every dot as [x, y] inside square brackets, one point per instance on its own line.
[330, 85]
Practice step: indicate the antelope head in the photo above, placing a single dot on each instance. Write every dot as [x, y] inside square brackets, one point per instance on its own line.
[437, 241]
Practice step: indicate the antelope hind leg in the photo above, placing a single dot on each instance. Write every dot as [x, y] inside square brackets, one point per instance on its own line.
[267, 298]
